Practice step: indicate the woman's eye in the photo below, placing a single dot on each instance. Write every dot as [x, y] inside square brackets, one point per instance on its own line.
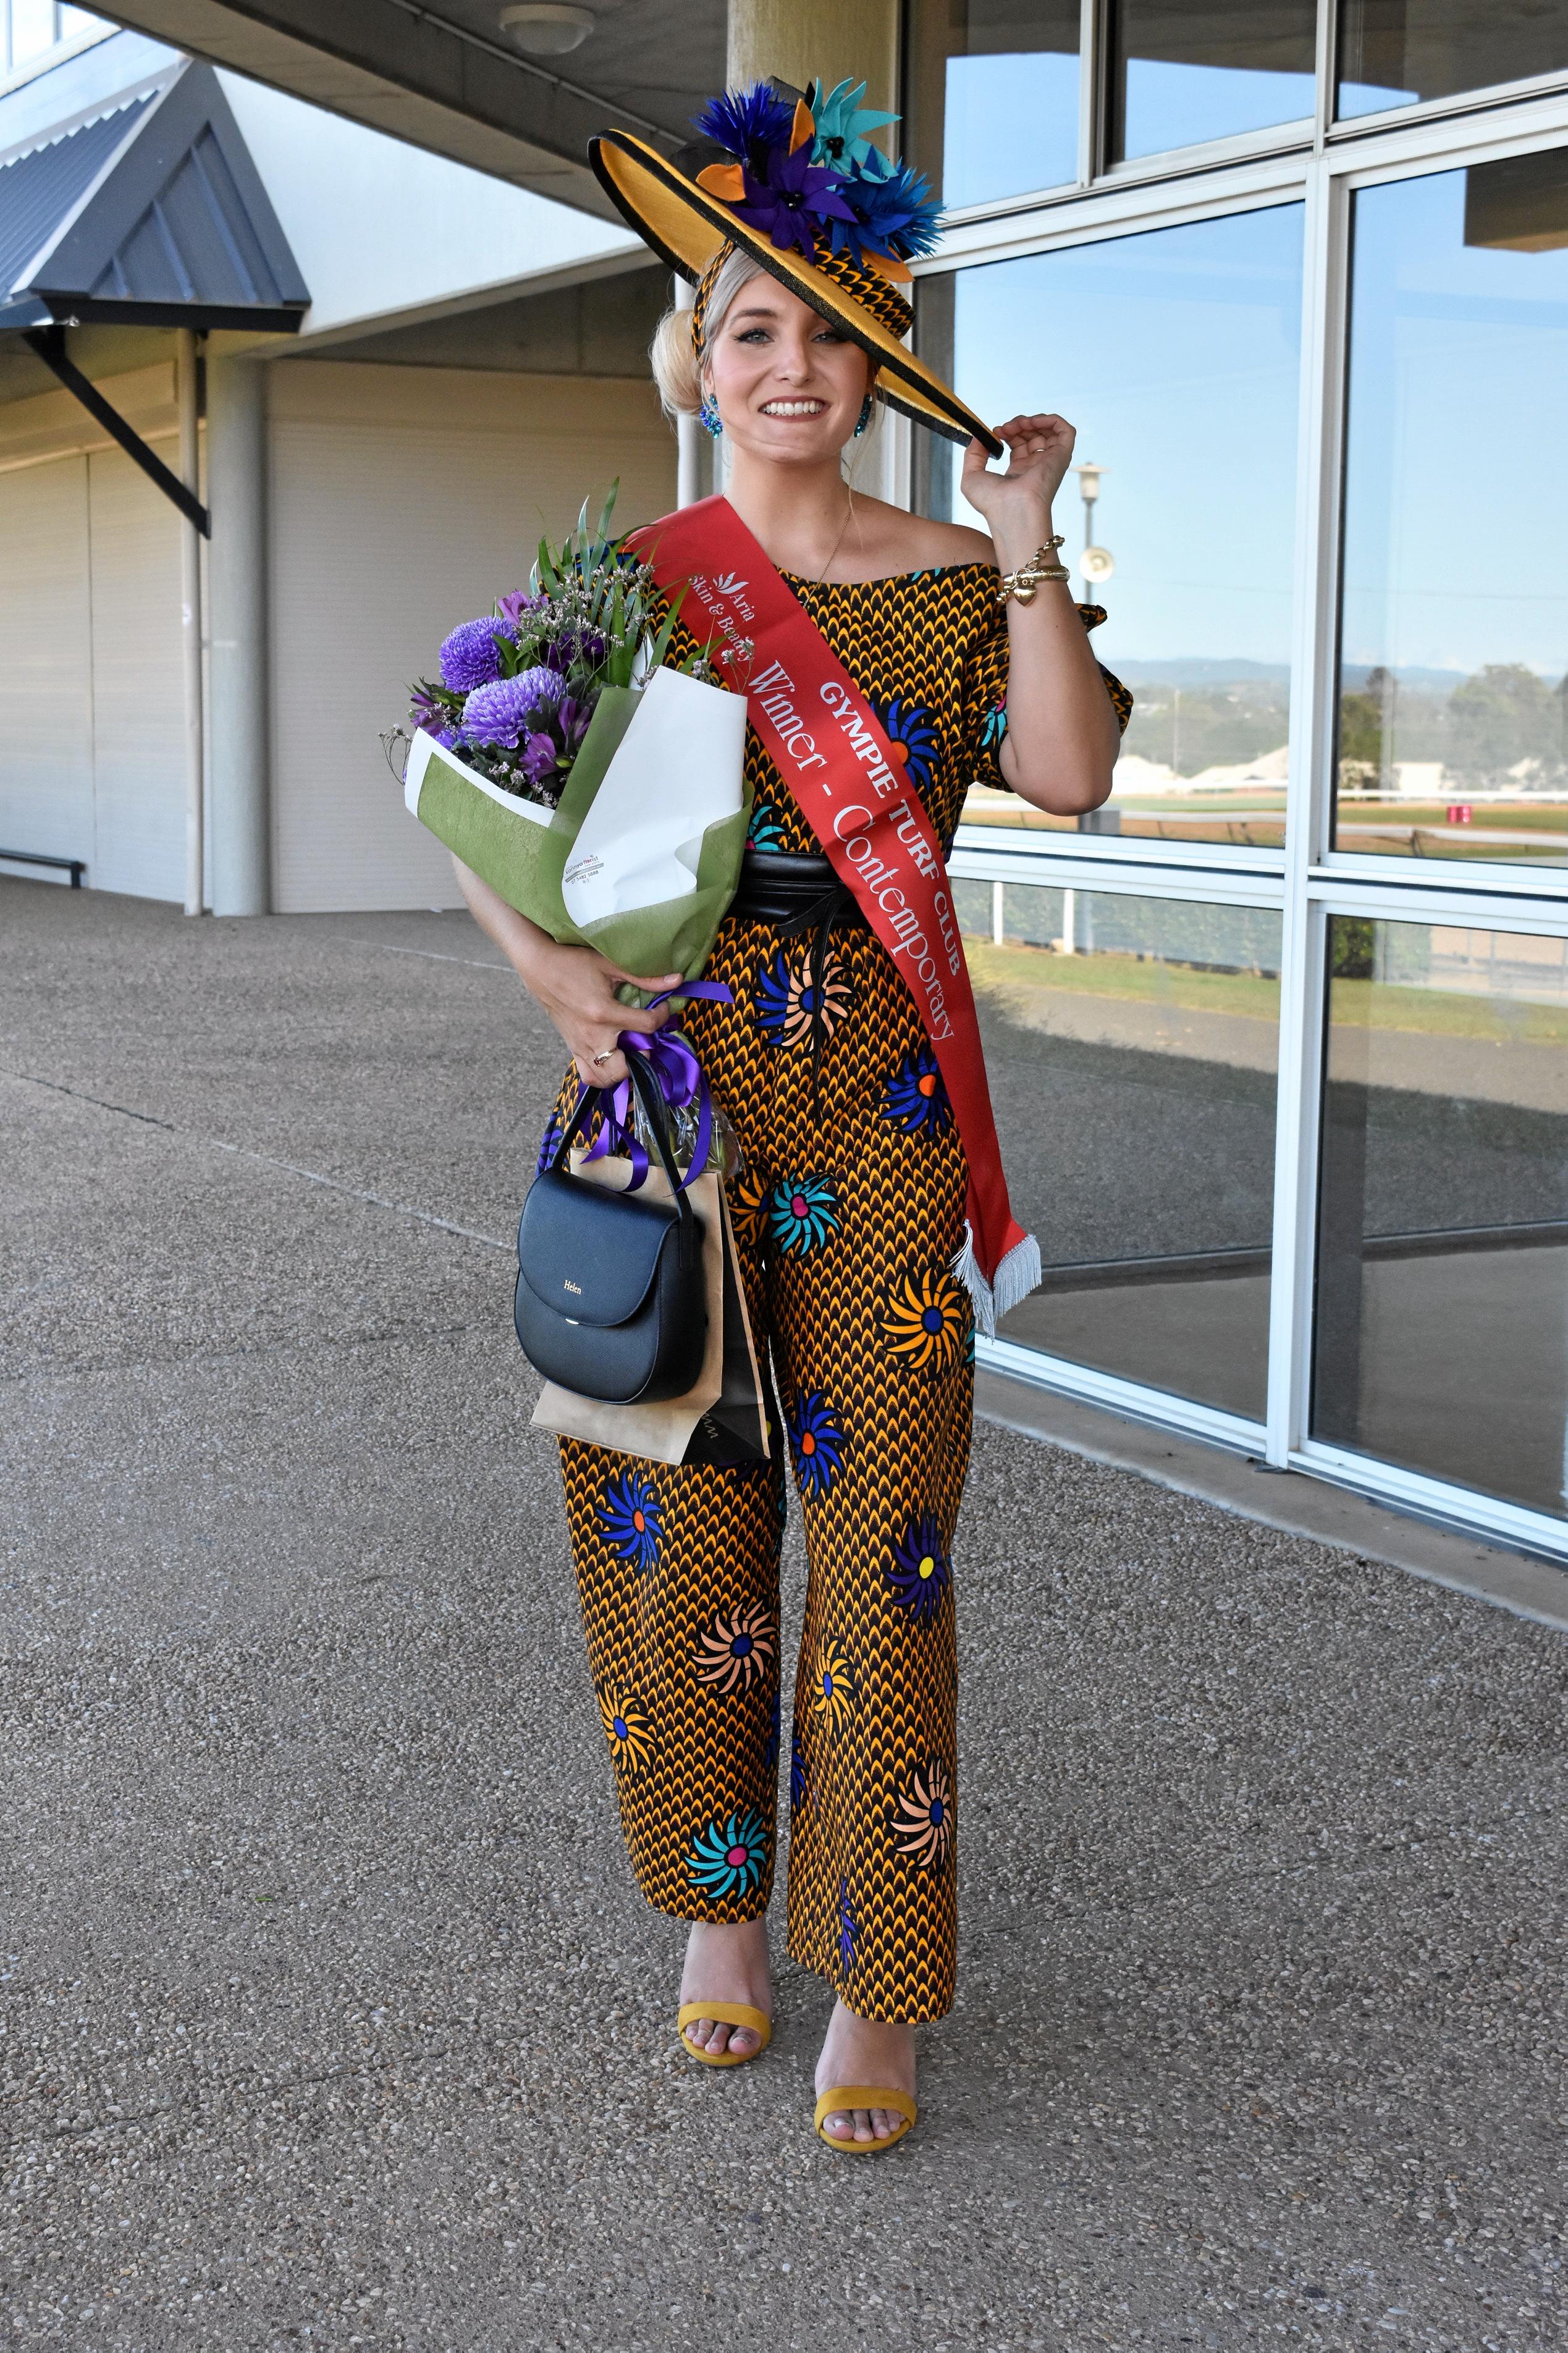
[752, 336]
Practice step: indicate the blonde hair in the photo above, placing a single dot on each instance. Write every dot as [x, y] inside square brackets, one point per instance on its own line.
[677, 362]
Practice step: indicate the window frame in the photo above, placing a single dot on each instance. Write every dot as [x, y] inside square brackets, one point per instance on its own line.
[1306, 879]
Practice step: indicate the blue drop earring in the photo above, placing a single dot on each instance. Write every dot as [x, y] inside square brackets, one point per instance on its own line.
[867, 409]
[708, 416]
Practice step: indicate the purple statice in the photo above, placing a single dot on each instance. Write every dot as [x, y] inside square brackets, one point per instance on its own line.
[470, 656]
[505, 709]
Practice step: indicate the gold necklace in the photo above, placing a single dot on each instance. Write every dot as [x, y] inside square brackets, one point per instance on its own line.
[822, 575]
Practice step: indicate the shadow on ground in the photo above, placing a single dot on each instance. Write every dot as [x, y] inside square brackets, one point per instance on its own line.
[333, 2016]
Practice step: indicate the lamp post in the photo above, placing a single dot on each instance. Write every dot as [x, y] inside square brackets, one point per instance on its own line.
[1096, 563]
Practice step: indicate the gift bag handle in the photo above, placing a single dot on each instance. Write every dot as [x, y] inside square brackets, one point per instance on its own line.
[647, 1093]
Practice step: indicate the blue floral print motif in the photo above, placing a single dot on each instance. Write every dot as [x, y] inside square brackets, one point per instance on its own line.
[848, 1930]
[728, 1857]
[631, 1517]
[797, 1785]
[915, 1097]
[912, 732]
[802, 1214]
[816, 1441]
[919, 1571]
[995, 727]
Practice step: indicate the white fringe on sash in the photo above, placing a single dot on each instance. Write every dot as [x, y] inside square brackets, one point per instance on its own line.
[1018, 1274]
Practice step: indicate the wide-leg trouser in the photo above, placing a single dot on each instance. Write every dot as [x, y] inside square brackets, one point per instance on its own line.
[847, 1212]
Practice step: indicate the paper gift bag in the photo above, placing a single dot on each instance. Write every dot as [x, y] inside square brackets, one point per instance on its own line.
[723, 1417]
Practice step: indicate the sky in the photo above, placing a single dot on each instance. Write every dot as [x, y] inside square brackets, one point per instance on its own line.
[1176, 356]
[1175, 353]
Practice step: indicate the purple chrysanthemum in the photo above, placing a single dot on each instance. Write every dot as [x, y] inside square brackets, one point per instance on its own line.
[470, 656]
[507, 708]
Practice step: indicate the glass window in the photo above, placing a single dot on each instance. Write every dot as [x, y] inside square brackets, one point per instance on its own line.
[993, 96]
[1181, 73]
[1453, 718]
[1175, 355]
[1132, 1045]
[1395, 52]
[1442, 1295]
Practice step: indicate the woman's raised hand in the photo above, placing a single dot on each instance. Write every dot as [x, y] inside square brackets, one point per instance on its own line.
[1017, 503]
[576, 987]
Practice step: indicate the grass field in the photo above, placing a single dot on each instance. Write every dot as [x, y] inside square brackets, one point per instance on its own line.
[1359, 1004]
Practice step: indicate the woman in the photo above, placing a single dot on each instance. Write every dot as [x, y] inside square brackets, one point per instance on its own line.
[850, 1207]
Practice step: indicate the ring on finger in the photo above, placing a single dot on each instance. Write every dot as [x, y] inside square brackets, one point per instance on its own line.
[595, 1059]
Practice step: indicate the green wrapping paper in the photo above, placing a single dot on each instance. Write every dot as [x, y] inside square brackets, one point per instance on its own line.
[659, 861]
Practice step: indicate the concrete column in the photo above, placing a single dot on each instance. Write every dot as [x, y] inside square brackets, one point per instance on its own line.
[237, 674]
[797, 38]
[185, 394]
[689, 434]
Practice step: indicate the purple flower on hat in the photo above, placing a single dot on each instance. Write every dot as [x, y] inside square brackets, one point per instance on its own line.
[470, 656]
[504, 709]
[746, 121]
[893, 212]
[795, 193]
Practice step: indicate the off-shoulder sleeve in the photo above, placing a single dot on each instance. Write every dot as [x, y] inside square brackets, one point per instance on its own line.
[985, 695]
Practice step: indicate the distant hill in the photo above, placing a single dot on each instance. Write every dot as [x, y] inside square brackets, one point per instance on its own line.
[1191, 670]
[1197, 670]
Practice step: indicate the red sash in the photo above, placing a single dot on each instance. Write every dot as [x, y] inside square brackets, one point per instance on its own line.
[829, 744]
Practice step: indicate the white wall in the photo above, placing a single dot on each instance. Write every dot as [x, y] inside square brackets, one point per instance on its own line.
[402, 502]
[46, 705]
[380, 227]
[90, 693]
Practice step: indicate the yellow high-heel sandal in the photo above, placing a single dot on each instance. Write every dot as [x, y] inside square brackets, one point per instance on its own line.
[723, 2013]
[844, 2098]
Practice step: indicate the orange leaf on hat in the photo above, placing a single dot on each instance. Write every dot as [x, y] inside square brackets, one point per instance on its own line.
[803, 128]
[725, 181]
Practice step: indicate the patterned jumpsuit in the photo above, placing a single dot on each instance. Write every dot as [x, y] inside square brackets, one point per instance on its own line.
[848, 1211]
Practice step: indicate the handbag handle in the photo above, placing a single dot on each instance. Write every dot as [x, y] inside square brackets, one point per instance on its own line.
[653, 1105]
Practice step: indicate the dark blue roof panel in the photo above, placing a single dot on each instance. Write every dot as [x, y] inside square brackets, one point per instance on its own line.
[39, 189]
[179, 230]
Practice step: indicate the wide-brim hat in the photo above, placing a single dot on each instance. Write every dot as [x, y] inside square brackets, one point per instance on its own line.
[688, 228]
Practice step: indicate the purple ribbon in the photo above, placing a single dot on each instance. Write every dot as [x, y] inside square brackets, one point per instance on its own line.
[679, 1076]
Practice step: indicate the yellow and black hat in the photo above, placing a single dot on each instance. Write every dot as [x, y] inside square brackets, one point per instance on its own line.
[791, 179]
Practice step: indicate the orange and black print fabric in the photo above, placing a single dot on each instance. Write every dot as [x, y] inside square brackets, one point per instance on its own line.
[848, 1210]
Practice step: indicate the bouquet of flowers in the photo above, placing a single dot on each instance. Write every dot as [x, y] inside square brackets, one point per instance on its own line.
[600, 793]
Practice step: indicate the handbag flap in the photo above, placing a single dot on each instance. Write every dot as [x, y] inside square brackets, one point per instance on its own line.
[588, 1253]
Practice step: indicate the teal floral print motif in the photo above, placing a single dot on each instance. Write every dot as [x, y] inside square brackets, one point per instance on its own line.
[727, 1858]
[801, 1215]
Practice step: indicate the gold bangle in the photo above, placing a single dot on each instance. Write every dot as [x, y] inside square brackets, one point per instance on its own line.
[1023, 583]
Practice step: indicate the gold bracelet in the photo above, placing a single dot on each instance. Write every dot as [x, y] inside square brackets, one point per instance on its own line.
[1023, 583]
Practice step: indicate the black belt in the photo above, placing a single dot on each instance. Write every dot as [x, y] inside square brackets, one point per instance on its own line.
[793, 894]
[797, 895]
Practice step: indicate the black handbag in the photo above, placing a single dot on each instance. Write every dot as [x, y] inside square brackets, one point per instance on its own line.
[611, 1298]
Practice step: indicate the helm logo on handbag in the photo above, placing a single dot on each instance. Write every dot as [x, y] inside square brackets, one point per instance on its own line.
[575, 1288]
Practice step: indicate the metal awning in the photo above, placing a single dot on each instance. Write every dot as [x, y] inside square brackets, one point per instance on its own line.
[151, 214]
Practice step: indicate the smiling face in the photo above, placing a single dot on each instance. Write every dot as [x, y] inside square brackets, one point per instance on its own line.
[788, 384]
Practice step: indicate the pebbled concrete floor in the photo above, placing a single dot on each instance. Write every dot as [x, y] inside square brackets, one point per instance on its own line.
[330, 2015]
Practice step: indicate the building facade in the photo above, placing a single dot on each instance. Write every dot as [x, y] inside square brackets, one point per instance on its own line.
[1278, 1039]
